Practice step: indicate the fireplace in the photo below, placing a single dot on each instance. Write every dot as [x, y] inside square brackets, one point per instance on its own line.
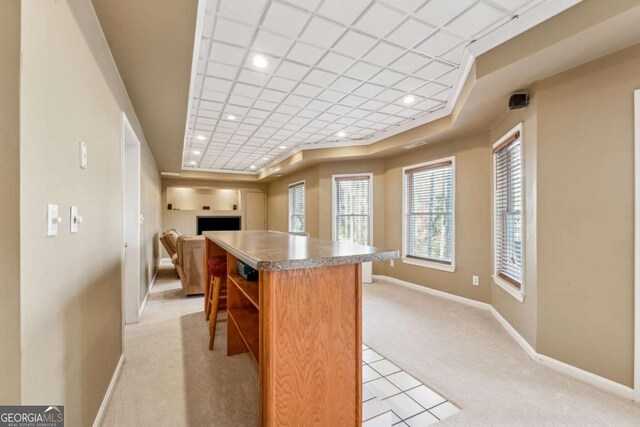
[217, 223]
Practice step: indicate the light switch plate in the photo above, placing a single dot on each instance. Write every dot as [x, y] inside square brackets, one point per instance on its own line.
[83, 155]
[476, 281]
[73, 219]
[52, 219]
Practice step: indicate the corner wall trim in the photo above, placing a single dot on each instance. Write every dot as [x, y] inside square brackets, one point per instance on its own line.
[562, 367]
[146, 297]
[107, 396]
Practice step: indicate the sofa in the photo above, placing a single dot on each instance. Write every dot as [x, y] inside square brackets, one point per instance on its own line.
[187, 255]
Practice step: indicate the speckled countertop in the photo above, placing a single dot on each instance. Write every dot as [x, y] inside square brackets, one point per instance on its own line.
[275, 251]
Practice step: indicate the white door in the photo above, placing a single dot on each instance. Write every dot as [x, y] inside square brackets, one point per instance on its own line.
[131, 244]
[256, 211]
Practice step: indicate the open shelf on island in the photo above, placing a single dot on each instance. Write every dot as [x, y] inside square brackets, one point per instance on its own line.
[250, 289]
[246, 320]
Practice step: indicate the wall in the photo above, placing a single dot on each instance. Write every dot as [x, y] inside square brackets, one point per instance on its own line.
[472, 216]
[10, 201]
[522, 315]
[278, 201]
[185, 221]
[585, 215]
[150, 205]
[71, 284]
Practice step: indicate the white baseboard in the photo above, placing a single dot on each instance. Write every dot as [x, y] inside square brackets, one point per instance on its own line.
[445, 295]
[146, 297]
[107, 396]
[570, 370]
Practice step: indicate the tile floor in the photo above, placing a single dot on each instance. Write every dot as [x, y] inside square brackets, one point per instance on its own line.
[391, 396]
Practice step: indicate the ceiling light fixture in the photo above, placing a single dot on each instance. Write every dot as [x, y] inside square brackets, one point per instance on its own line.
[260, 61]
[231, 117]
[266, 158]
[201, 137]
[196, 152]
[192, 163]
[252, 166]
[282, 147]
[409, 99]
[341, 134]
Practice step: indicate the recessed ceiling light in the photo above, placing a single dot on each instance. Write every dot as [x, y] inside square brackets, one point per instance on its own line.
[196, 152]
[193, 163]
[201, 137]
[282, 147]
[266, 158]
[341, 134]
[260, 61]
[279, 174]
[409, 99]
[231, 117]
[252, 166]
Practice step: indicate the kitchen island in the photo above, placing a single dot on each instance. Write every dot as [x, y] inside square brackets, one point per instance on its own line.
[301, 322]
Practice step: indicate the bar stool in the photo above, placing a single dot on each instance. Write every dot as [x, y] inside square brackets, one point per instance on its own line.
[217, 270]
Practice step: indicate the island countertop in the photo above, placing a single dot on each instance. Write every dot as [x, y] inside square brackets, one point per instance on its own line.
[276, 251]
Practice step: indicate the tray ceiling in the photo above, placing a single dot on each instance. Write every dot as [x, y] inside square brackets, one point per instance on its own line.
[271, 76]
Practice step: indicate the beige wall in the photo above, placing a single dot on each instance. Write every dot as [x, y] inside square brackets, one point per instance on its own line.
[71, 284]
[585, 215]
[522, 315]
[278, 201]
[472, 236]
[185, 221]
[10, 201]
[150, 205]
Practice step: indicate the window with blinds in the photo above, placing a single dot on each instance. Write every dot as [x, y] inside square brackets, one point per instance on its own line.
[429, 212]
[508, 243]
[352, 204]
[296, 207]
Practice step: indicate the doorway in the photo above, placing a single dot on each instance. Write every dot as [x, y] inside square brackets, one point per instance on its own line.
[131, 239]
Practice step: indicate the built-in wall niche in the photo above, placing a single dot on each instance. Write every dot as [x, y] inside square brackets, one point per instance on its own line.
[198, 199]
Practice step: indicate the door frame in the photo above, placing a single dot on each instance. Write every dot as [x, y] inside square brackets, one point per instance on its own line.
[129, 314]
[636, 353]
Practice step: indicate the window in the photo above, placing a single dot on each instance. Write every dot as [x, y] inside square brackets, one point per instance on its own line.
[429, 214]
[352, 208]
[296, 207]
[508, 210]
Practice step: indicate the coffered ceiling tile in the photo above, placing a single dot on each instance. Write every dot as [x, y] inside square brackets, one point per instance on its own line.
[305, 53]
[233, 33]
[321, 32]
[335, 62]
[284, 20]
[384, 54]
[247, 11]
[438, 43]
[439, 12]
[474, 20]
[379, 20]
[354, 44]
[272, 44]
[343, 11]
[410, 33]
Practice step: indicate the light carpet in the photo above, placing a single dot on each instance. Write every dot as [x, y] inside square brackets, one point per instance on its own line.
[170, 378]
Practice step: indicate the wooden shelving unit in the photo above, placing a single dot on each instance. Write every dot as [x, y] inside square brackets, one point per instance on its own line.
[243, 302]
[250, 289]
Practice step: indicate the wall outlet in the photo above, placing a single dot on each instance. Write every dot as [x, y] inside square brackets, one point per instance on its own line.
[476, 281]
[391, 263]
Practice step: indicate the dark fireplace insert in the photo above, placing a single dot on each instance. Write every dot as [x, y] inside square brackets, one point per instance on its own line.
[217, 223]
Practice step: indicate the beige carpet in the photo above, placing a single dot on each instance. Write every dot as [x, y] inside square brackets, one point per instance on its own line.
[171, 379]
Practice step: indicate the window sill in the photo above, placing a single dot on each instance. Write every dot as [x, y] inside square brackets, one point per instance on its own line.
[429, 264]
[509, 288]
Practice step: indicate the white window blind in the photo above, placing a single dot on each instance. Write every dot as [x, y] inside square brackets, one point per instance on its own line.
[352, 209]
[428, 212]
[296, 207]
[508, 210]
